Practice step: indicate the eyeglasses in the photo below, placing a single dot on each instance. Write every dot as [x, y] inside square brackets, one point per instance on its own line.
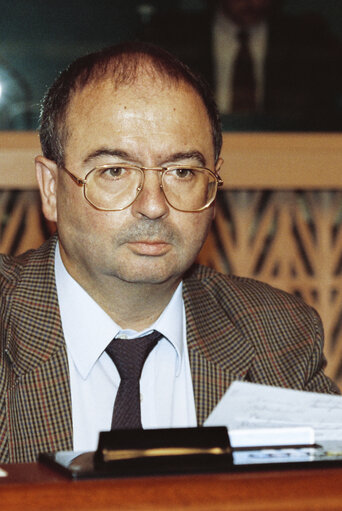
[116, 187]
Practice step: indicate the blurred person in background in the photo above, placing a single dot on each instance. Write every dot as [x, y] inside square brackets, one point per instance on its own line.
[259, 60]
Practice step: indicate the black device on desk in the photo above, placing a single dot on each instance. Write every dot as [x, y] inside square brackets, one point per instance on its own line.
[132, 453]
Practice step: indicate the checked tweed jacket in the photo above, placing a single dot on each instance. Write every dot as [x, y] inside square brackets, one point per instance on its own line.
[237, 329]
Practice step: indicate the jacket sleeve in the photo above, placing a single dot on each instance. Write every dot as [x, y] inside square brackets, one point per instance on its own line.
[316, 379]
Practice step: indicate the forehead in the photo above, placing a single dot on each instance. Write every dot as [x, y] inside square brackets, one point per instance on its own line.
[149, 112]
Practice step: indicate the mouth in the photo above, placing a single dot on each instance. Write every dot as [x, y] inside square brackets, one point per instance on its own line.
[149, 248]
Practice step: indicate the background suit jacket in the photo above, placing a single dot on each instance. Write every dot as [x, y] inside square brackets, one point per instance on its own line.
[236, 329]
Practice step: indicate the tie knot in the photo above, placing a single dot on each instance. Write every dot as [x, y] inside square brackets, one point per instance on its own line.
[129, 355]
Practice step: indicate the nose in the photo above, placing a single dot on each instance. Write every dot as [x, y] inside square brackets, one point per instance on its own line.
[151, 202]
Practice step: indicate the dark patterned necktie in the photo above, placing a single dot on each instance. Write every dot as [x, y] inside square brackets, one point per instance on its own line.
[244, 85]
[129, 356]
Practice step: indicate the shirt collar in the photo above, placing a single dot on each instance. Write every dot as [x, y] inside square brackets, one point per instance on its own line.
[88, 329]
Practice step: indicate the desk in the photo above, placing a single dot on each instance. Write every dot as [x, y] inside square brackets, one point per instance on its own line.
[34, 487]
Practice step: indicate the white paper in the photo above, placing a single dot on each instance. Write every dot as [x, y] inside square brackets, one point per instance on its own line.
[271, 436]
[3, 473]
[252, 406]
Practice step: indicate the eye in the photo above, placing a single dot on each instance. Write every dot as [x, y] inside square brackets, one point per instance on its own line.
[183, 173]
[113, 172]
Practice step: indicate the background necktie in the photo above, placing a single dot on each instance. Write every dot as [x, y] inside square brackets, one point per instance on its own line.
[129, 356]
[244, 85]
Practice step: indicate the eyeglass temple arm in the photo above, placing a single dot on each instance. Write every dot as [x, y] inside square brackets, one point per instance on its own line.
[77, 180]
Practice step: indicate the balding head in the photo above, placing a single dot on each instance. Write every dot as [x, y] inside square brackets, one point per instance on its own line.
[125, 65]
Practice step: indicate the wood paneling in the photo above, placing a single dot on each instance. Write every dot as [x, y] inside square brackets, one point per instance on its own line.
[251, 160]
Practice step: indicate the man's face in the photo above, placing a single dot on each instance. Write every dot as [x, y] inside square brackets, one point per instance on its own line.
[148, 124]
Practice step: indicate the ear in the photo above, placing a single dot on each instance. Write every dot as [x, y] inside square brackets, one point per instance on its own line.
[218, 165]
[47, 175]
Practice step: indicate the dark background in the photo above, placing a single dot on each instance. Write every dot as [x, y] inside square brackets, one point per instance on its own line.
[38, 38]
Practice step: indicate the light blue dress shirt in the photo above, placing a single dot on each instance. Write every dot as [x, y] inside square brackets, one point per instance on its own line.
[167, 398]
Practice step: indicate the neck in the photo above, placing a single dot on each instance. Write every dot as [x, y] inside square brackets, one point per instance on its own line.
[130, 305]
[140, 309]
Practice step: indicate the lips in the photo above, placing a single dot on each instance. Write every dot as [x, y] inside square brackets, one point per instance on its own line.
[149, 248]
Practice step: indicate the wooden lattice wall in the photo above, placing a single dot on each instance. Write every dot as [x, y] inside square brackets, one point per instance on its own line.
[290, 239]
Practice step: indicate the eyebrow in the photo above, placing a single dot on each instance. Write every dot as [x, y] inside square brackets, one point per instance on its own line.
[104, 151]
[188, 155]
[175, 157]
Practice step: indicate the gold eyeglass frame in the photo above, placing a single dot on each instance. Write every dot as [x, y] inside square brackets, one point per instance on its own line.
[83, 182]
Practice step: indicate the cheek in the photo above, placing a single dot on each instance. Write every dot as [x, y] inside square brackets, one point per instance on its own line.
[73, 212]
[80, 221]
[72, 207]
[195, 229]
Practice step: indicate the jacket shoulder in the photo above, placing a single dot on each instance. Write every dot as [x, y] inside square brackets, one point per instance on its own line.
[11, 268]
[216, 280]
[245, 295]
[15, 269]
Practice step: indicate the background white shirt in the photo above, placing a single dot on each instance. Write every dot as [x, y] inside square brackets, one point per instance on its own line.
[167, 398]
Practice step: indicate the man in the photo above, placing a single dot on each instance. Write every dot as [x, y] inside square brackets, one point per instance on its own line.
[131, 142]
[293, 60]
[290, 64]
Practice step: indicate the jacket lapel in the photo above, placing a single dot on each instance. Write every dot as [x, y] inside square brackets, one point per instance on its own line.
[38, 401]
[218, 352]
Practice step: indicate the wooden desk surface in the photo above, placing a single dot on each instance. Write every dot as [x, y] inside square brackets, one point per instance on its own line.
[35, 487]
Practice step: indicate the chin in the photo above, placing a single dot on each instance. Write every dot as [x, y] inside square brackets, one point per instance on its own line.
[152, 279]
[142, 274]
